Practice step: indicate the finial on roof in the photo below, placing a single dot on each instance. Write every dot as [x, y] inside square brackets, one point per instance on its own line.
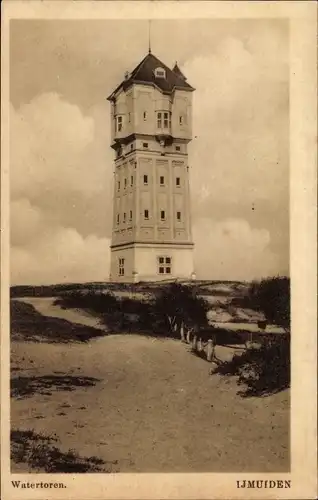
[149, 36]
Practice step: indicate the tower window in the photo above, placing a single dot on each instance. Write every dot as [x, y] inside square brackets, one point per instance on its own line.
[145, 144]
[178, 183]
[125, 182]
[146, 214]
[145, 179]
[178, 148]
[130, 215]
[179, 216]
[181, 121]
[129, 117]
[166, 120]
[132, 180]
[119, 123]
[159, 120]
[164, 265]
[117, 218]
[145, 116]
[124, 219]
[118, 186]
[162, 180]
[131, 147]
[121, 267]
[162, 214]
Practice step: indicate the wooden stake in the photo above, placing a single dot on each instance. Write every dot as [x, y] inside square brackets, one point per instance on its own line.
[209, 353]
[194, 343]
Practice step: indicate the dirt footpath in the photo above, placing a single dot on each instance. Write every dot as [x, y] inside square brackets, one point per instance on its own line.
[150, 406]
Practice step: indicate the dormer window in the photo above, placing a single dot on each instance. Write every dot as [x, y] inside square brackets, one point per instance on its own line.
[160, 73]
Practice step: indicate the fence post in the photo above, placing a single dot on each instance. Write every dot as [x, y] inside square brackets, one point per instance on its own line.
[182, 333]
[209, 350]
[194, 343]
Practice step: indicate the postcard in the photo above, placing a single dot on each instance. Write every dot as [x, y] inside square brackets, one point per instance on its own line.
[158, 250]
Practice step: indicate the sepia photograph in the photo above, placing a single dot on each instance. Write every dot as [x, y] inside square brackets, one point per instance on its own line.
[150, 249]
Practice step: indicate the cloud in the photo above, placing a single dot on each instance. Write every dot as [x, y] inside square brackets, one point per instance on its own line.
[232, 250]
[59, 180]
[58, 255]
[53, 149]
[240, 124]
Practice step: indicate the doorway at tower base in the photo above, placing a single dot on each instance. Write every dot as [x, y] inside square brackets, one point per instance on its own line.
[136, 263]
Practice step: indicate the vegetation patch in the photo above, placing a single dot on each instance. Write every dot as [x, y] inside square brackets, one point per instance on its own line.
[41, 455]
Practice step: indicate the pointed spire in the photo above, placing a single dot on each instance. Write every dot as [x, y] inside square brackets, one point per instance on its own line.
[178, 71]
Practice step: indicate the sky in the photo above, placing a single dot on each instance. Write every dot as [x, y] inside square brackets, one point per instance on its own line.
[61, 163]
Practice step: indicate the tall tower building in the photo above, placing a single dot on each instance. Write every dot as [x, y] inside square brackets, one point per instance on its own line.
[151, 122]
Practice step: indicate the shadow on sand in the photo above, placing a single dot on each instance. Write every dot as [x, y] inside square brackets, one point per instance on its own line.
[22, 387]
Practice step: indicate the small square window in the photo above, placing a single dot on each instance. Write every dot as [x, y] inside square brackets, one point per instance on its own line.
[178, 215]
[146, 214]
[162, 180]
[131, 147]
[145, 179]
[162, 215]
[178, 148]
[177, 181]
[164, 265]
[145, 144]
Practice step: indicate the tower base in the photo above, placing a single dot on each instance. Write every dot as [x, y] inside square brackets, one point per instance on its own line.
[135, 262]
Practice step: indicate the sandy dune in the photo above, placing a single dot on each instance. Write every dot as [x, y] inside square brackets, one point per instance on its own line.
[152, 406]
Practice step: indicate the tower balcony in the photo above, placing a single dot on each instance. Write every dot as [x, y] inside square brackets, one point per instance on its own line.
[164, 136]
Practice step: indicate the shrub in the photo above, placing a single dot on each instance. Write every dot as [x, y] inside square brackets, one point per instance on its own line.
[263, 370]
[179, 305]
[272, 297]
[93, 301]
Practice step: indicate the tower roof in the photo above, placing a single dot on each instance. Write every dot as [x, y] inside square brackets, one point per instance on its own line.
[144, 72]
